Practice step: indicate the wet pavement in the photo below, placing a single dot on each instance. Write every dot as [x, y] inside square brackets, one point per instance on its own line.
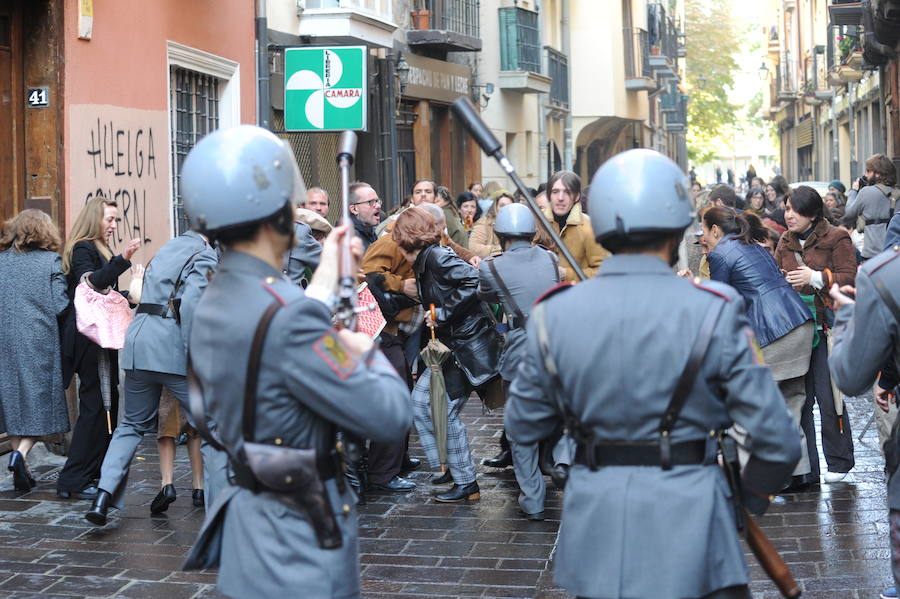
[834, 539]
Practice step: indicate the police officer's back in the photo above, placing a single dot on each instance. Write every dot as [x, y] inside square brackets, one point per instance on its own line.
[619, 343]
[310, 380]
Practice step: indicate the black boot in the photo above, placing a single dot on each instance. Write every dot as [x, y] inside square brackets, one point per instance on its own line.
[501, 460]
[97, 514]
[442, 479]
[162, 500]
[468, 492]
[198, 498]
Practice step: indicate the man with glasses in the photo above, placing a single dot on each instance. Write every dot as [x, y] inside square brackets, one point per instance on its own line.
[365, 212]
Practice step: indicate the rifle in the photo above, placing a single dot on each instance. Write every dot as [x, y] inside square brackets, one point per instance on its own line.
[345, 313]
[477, 128]
[766, 554]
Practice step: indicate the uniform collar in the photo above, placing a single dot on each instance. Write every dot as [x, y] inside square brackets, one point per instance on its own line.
[630, 264]
[518, 244]
[235, 261]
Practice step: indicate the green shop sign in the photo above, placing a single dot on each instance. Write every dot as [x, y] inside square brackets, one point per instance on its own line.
[325, 88]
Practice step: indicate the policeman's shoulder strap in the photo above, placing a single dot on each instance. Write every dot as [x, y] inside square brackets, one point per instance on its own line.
[686, 382]
[543, 338]
[510, 300]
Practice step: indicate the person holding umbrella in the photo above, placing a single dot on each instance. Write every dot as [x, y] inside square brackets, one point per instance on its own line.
[462, 325]
[87, 253]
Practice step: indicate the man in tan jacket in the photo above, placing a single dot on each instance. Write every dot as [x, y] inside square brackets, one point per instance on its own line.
[573, 225]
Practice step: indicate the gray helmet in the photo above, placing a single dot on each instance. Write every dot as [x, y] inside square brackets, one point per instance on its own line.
[639, 191]
[515, 220]
[238, 176]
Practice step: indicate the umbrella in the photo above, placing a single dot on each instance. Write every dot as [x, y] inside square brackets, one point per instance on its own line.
[836, 393]
[434, 354]
[103, 370]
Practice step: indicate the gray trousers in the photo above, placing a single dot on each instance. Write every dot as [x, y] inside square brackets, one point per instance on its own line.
[794, 392]
[215, 472]
[528, 474]
[836, 445]
[142, 391]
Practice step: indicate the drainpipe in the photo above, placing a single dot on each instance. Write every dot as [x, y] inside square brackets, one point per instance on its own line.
[836, 140]
[394, 178]
[541, 101]
[567, 50]
[851, 124]
[263, 94]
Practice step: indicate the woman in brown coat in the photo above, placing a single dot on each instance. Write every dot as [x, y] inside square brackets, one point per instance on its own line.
[813, 255]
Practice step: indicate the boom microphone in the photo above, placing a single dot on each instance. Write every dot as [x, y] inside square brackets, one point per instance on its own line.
[347, 147]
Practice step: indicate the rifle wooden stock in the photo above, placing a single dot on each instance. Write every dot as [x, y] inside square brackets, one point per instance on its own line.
[769, 558]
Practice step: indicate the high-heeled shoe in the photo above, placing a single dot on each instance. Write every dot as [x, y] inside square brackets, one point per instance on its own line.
[468, 492]
[22, 479]
[162, 500]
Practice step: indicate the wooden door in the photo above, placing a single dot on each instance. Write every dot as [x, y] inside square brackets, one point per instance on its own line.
[12, 146]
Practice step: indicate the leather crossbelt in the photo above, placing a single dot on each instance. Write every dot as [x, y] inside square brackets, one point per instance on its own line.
[640, 454]
[154, 309]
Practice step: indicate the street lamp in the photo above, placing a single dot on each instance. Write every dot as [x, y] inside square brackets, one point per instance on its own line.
[763, 71]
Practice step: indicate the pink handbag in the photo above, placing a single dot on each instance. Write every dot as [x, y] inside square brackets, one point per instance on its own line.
[103, 317]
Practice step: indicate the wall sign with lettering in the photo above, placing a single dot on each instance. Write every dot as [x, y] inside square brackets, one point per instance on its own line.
[38, 97]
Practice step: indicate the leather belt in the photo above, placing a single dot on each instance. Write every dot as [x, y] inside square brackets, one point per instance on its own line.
[878, 221]
[639, 454]
[155, 309]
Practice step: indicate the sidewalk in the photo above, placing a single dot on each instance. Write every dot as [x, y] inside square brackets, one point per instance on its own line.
[835, 539]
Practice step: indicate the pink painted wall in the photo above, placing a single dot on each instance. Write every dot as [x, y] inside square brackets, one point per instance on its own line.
[116, 130]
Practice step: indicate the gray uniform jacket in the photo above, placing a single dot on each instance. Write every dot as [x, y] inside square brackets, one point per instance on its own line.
[308, 384]
[867, 336]
[621, 340]
[873, 205]
[305, 254]
[159, 344]
[528, 271]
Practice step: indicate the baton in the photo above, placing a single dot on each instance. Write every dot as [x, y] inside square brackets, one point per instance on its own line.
[345, 313]
[478, 129]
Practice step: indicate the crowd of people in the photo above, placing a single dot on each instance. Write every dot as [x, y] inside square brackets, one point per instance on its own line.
[459, 281]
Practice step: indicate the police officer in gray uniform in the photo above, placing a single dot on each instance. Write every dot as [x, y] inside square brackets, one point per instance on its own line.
[866, 341]
[647, 511]
[303, 257]
[154, 357]
[515, 279]
[310, 379]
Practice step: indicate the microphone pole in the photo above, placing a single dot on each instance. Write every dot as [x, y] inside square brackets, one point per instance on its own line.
[345, 313]
[469, 117]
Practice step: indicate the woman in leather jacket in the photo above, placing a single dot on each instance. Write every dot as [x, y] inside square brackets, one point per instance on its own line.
[780, 320]
[814, 254]
[451, 285]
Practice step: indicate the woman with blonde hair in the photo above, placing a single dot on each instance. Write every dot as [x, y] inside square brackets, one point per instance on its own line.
[482, 241]
[32, 296]
[87, 255]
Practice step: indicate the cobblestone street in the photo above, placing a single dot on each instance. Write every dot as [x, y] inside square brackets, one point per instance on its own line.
[835, 539]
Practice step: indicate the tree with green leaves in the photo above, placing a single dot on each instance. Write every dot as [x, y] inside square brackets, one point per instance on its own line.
[712, 41]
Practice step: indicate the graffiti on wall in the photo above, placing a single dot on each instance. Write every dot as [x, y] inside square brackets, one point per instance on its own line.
[122, 154]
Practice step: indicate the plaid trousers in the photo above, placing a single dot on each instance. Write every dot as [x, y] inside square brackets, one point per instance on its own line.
[459, 454]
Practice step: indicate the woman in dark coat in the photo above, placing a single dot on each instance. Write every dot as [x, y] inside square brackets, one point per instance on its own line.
[813, 255]
[780, 320]
[32, 295]
[87, 251]
[445, 280]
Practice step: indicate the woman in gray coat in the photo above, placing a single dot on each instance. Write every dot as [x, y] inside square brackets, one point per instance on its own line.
[32, 295]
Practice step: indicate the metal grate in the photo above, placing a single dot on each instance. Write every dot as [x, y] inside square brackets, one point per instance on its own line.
[558, 69]
[315, 154]
[637, 52]
[194, 110]
[519, 40]
[459, 16]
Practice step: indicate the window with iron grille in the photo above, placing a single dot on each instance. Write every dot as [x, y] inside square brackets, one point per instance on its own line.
[519, 40]
[194, 111]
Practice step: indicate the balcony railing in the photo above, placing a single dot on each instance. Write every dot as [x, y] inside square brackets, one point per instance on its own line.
[519, 40]
[662, 31]
[459, 16]
[558, 70]
[637, 53]
[674, 109]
